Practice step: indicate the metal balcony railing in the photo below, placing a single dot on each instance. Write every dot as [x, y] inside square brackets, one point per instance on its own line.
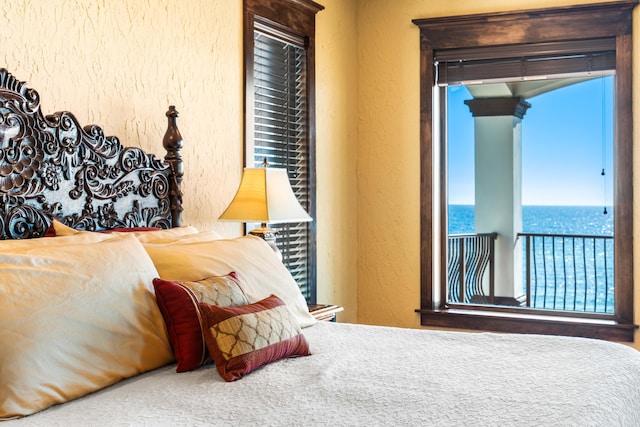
[568, 272]
[471, 262]
[559, 271]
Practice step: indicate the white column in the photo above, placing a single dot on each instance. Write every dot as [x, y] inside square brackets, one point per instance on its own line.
[498, 187]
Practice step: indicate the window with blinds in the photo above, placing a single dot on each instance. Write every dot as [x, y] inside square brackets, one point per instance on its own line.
[281, 137]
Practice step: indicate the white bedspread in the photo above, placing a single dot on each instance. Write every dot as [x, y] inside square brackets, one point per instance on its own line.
[367, 375]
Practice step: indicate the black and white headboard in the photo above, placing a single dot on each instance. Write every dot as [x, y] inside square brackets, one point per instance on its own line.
[51, 167]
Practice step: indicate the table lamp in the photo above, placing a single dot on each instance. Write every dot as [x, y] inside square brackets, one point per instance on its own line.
[265, 196]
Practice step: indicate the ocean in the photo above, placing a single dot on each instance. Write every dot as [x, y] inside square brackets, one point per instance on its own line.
[583, 220]
[567, 274]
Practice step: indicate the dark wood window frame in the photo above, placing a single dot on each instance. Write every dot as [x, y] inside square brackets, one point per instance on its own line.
[291, 21]
[581, 22]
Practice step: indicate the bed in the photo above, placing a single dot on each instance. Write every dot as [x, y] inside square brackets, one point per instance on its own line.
[112, 312]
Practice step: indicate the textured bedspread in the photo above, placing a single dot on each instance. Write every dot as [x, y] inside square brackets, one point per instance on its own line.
[363, 375]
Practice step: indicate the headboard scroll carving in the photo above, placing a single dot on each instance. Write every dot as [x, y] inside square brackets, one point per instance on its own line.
[51, 167]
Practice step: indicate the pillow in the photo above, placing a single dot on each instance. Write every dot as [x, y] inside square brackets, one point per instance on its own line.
[130, 229]
[22, 245]
[75, 318]
[178, 302]
[148, 236]
[203, 236]
[144, 234]
[50, 231]
[241, 339]
[257, 265]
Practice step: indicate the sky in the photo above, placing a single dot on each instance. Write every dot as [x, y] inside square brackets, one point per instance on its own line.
[563, 149]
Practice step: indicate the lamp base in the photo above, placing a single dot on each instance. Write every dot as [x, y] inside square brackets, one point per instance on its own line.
[269, 235]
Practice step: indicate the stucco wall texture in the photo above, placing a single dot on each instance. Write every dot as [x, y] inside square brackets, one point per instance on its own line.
[119, 64]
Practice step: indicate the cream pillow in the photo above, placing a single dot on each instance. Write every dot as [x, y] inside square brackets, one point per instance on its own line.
[203, 236]
[259, 269]
[74, 320]
[63, 230]
[170, 233]
[143, 236]
[22, 245]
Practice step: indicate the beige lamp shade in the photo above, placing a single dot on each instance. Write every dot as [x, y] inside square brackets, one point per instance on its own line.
[265, 195]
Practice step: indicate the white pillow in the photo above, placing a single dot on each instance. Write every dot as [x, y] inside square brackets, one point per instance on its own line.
[74, 319]
[260, 271]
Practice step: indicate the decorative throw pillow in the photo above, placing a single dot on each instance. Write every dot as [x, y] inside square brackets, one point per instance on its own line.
[50, 231]
[241, 339]
[130, 229]
[178, 303]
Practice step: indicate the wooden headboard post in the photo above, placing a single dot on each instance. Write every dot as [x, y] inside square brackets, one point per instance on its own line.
[172, 142]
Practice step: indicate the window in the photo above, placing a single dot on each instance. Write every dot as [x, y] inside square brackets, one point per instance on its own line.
[504, 47]
[279, 115]
[529, 203]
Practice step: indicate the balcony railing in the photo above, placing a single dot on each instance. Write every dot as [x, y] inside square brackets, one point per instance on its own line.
[569, 272]
[471, 262]
[560, 272]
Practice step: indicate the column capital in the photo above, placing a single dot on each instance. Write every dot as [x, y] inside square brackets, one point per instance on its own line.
[502, 106]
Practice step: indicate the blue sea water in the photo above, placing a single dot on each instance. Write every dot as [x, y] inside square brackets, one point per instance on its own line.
[559, 284]
[583, 220]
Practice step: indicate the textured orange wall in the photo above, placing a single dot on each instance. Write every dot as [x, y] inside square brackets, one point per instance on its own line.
[337, 149]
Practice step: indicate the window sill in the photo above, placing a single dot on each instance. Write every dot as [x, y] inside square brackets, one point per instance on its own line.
[526, 323]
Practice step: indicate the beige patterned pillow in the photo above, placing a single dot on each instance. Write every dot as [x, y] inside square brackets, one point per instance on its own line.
[224, 291]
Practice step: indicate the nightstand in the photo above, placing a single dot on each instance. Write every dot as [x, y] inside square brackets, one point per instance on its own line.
[325, 312]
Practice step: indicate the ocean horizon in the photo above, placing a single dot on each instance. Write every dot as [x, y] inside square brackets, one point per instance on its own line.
[582, 220]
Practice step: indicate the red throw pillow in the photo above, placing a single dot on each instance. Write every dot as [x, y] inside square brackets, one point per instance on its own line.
[178, 303]
[130, 229]
[241, 339]
[50, 232]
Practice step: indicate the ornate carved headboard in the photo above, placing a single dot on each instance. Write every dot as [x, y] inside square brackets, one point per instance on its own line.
[50, 167]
